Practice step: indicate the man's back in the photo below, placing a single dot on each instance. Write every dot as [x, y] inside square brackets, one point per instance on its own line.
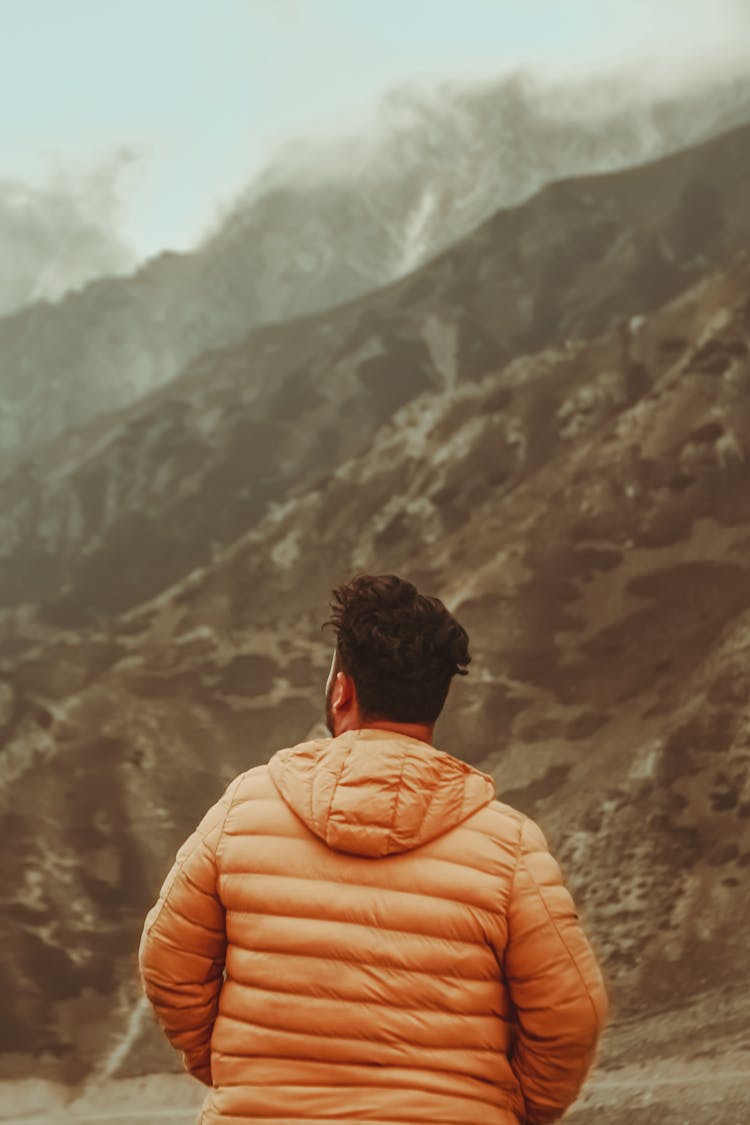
[398, 946]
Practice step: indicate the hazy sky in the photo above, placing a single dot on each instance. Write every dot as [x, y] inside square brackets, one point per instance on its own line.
[162, 109]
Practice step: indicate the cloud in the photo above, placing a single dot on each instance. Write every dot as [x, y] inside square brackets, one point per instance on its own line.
[58, 235]
[208, 93]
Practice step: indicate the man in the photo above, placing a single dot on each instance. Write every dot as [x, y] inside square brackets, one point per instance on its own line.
[359, 931]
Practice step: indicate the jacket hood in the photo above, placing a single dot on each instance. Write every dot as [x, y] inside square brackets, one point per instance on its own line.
[377, 792]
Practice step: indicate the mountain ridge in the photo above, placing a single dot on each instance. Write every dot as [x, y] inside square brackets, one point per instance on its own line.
[190, 467]
[301, 249]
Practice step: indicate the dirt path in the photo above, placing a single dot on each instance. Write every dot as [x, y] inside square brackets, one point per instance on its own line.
[708, 1091]
[667, 1092]
[171, 1116]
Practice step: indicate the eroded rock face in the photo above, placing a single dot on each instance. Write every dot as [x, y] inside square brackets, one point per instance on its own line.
[585, 513]
[110, 516]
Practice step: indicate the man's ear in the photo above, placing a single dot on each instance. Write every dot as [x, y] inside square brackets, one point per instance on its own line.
[344, 693]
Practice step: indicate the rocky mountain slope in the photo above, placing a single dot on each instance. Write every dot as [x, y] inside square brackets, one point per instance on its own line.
[549, 427]
[110, 516]
[584, 510]
[323, 227]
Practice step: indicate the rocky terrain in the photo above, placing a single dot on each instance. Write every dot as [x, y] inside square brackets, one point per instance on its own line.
[109, 516]
[592, 536]
[575, 483]
[319, 227]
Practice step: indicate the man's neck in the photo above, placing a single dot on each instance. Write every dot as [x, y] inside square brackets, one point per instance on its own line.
[421, 731]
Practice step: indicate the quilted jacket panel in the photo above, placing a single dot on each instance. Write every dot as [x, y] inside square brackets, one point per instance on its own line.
[359, 931]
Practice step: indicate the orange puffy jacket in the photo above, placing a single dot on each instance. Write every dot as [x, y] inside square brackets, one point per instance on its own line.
[358, 931]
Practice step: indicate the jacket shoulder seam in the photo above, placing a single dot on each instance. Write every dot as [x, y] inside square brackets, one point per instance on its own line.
[394, 814]
[231, 793]
[517, 861]
[334, 787]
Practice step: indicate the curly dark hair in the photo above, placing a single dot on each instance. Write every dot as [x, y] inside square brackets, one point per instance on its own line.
[401, 648]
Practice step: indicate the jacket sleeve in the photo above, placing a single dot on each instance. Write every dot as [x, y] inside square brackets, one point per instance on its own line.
[183, 945]
[554, 981]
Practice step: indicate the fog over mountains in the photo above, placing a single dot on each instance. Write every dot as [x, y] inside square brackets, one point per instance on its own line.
[546, 423]
[57, 238]
[322, 227]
